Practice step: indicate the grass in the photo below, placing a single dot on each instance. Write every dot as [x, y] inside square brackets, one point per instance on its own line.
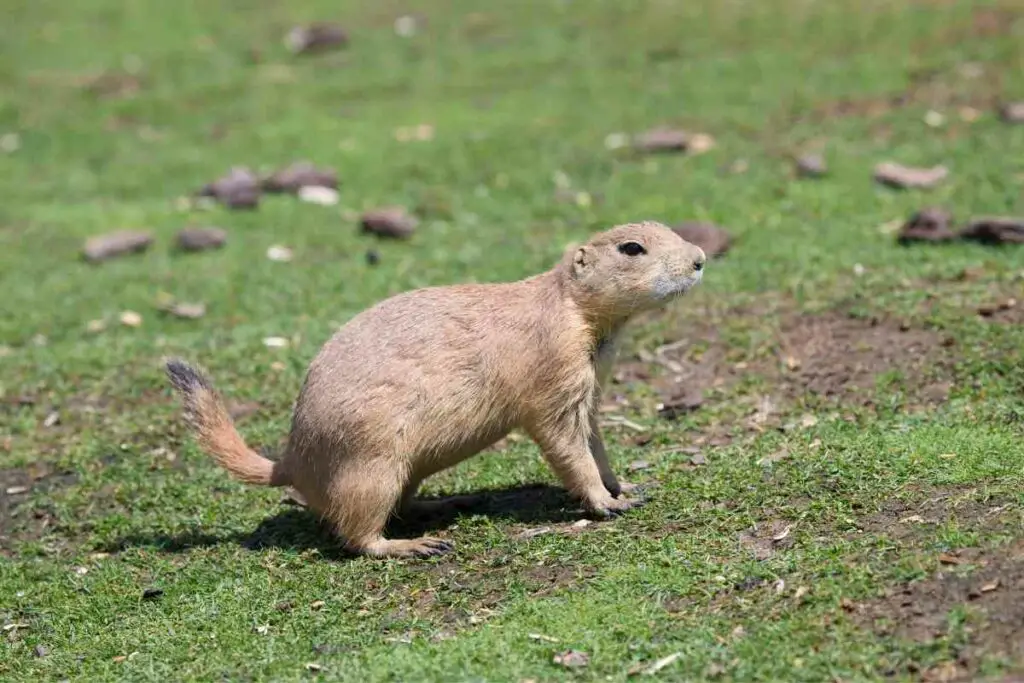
[121, 500]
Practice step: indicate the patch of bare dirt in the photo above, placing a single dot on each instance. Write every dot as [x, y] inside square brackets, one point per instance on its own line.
[843, 357]
[987, 584]
[20, 521]
[769, 365]
[912, 515]
[457, 594]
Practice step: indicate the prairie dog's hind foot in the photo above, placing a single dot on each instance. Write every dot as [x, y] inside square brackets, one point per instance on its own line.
[424, 546]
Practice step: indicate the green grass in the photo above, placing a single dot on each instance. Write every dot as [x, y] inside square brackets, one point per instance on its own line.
[517, 93]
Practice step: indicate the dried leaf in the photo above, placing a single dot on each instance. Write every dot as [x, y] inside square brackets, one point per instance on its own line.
[572, 659]
[660, 664]
[130, 319]
[531, 533]
[909, 177]
[990, 586]
[541, 636]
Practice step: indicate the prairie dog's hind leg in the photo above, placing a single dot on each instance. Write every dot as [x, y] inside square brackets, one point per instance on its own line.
[363, 502]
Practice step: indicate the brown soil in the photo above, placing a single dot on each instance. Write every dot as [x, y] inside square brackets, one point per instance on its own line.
[774, 364]
[21, 521]
[905, 517]
[986, 584]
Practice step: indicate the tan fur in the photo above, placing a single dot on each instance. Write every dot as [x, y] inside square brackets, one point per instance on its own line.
[425, 379]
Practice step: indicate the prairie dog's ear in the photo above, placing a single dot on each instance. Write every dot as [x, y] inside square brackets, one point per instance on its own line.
[582, 262]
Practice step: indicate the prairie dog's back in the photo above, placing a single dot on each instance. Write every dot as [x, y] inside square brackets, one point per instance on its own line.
[431, 359]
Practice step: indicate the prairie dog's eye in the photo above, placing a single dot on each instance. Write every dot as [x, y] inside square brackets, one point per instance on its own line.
[632, 248]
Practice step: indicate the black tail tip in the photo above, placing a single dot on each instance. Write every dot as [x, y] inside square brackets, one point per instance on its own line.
[184, 377]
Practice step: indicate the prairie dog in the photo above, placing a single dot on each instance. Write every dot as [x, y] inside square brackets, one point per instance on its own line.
[427, 378]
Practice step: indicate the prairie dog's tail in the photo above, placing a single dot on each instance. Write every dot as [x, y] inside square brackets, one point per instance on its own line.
[215, 430]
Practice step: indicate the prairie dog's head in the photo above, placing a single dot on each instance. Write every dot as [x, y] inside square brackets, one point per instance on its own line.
[634, 267]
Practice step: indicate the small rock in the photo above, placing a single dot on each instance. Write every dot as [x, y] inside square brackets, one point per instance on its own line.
[16, 490]
[316, 37]
[698, 459]
[41, 651]
[638, 465]
[1012, 112]
[616, 141]
[661, 139]
[238, 189]
[10, 143]
[113, 244]
[934, 119]
[700, 143]
[811, 166]
[130, 319]
[713, 239]
[389, 221]
[582, 523]
[681, 404]
[275, 342]
[187, 311]
[990, 586]
[927, 225]
[372, 257]
[51, 419]
[572, 659]
[324, 196]
[313, 667]
[405, 26]
[317, 604]
[299, 175]
[200, 239]
[988, 310]
[152, 593]
[995, 230]
[908, 177]
[279, 253]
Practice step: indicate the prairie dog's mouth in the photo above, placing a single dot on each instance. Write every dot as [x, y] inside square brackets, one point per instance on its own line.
[672, 288]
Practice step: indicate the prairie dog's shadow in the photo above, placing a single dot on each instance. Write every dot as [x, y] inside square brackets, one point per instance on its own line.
[296, 528]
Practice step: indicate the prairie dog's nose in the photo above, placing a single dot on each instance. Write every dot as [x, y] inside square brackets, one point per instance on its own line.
[700, 260]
